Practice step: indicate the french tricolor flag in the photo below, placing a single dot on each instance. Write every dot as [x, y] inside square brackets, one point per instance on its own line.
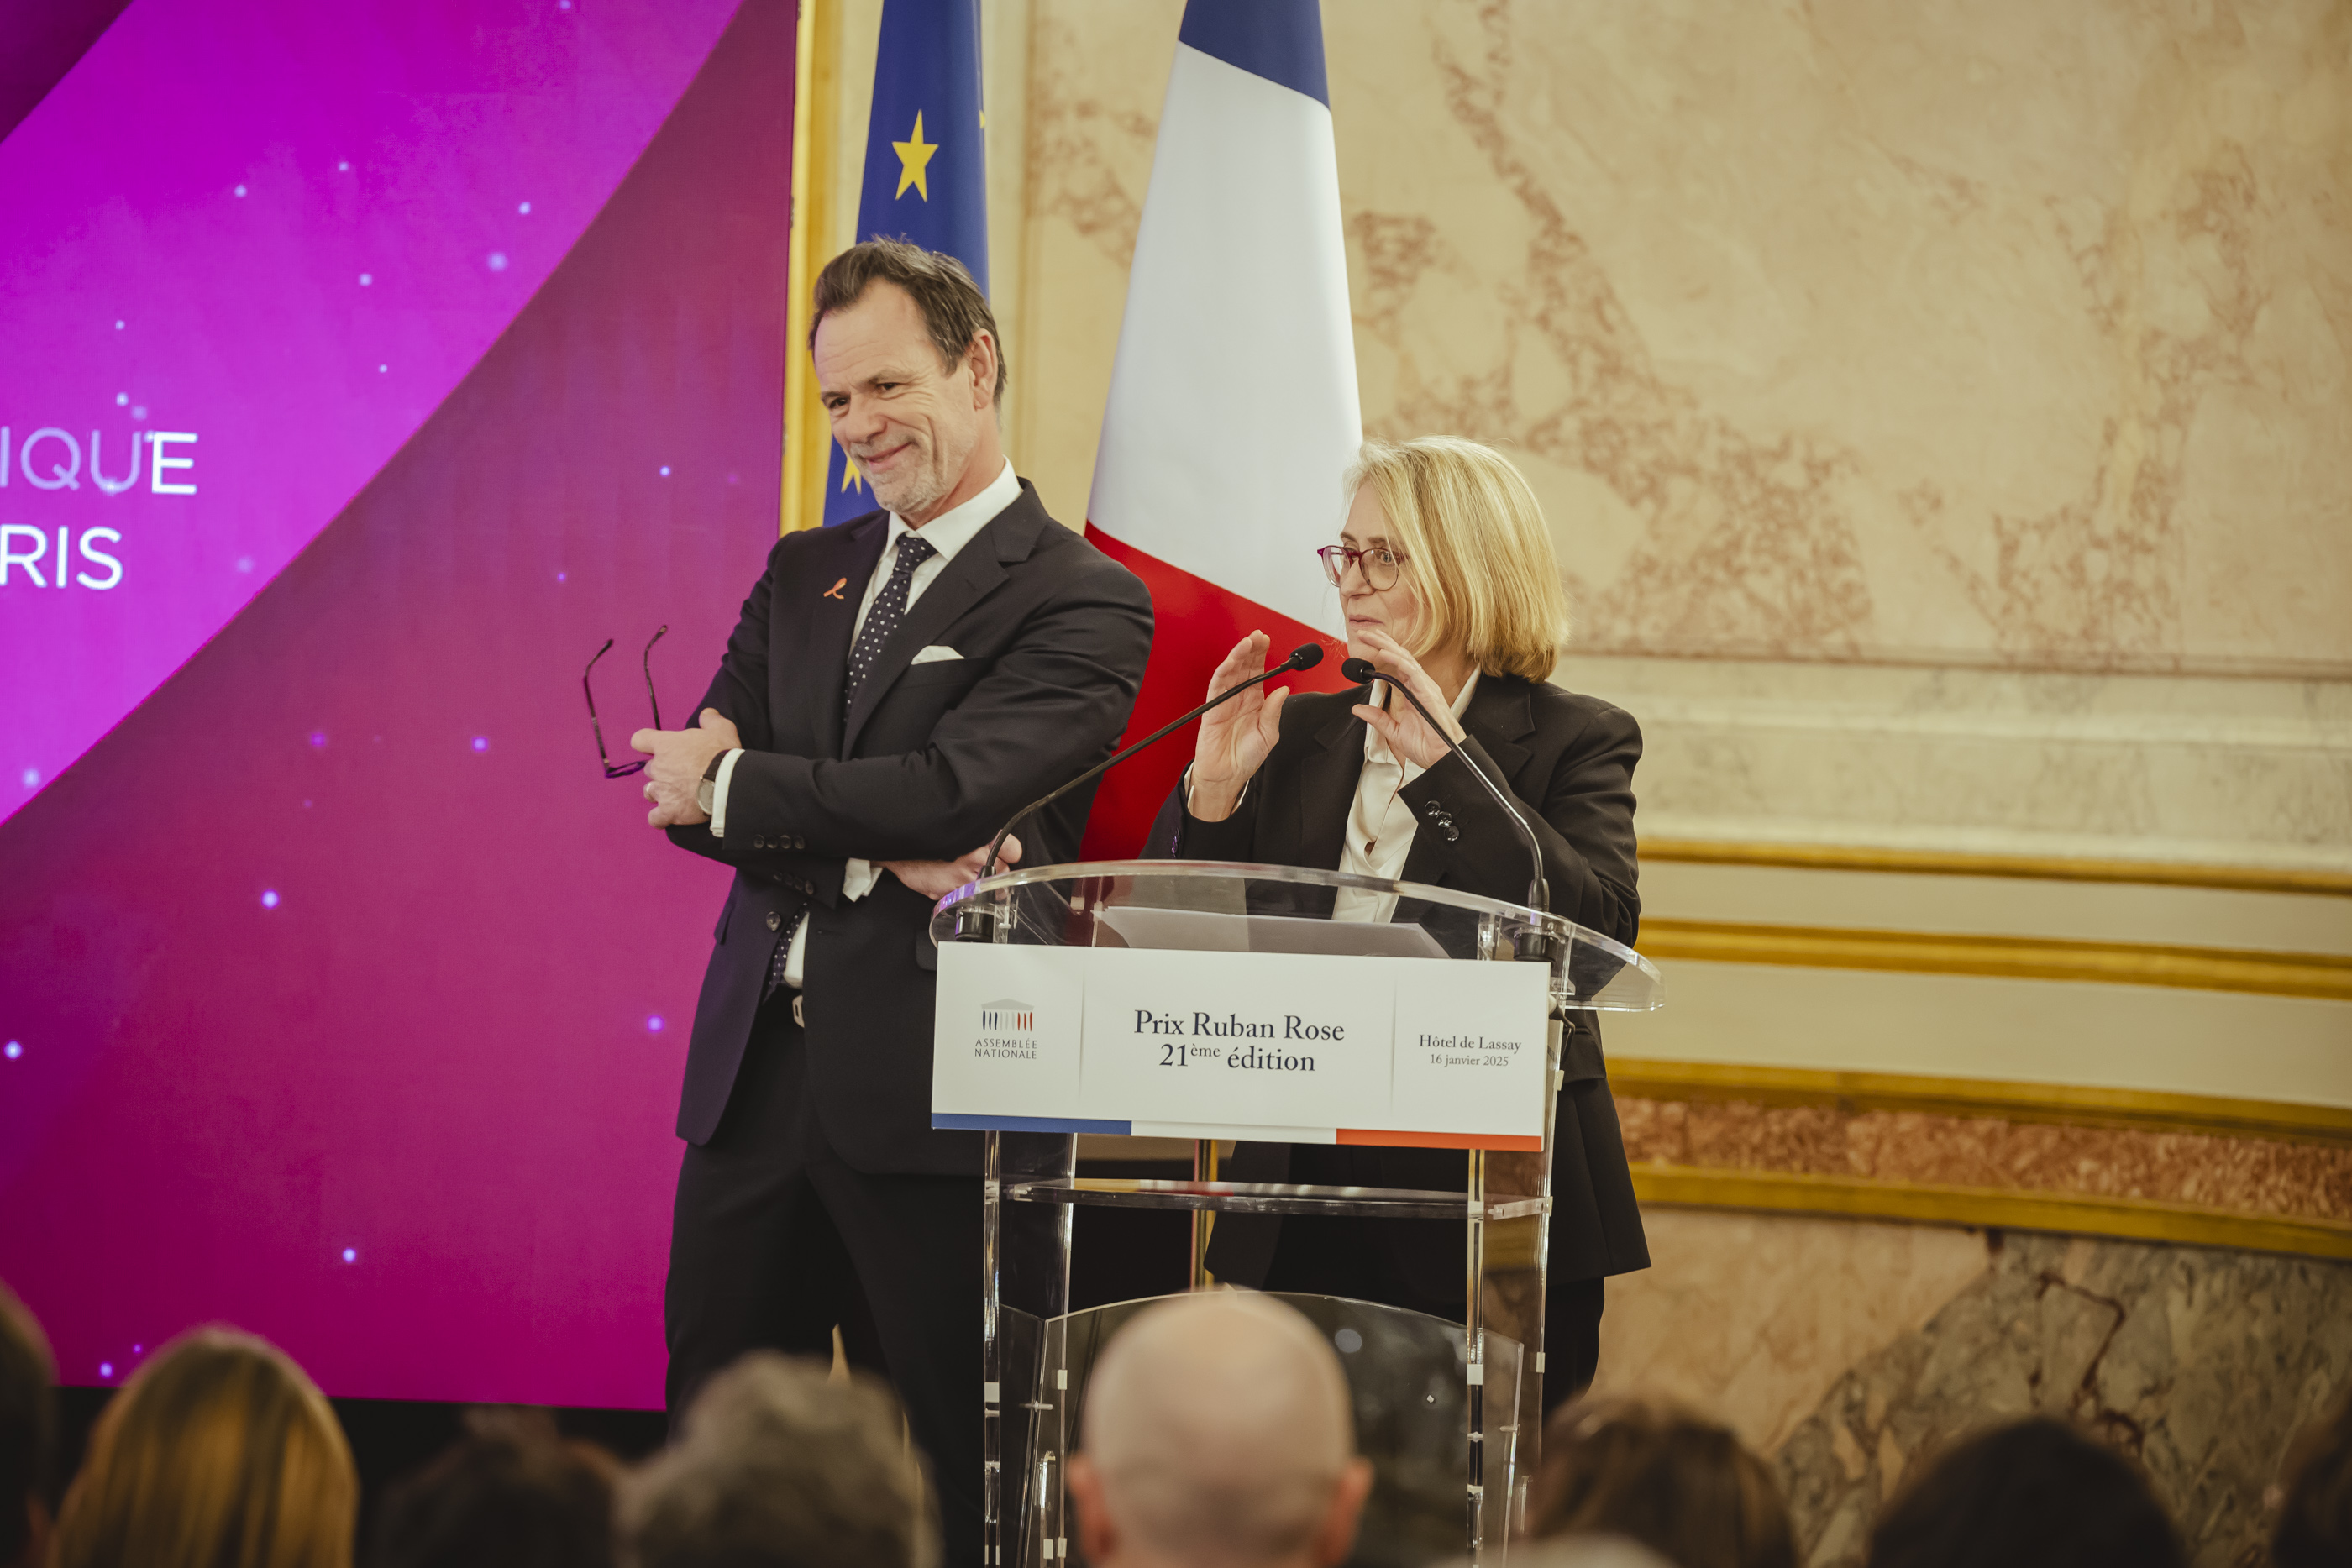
[1233, 408]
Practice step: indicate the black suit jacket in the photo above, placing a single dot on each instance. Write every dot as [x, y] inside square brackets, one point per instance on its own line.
[1567, 760]
[928, 762]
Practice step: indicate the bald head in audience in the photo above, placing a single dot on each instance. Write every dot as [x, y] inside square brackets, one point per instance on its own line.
[1218, 1430]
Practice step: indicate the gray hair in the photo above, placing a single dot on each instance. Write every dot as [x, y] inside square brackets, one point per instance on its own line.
[779, 1465]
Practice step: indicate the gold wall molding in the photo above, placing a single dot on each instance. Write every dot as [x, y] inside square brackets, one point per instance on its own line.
[816, 104]
[1954, 862]
[2325, 976]
[2130, 1219]
[2127, 1110]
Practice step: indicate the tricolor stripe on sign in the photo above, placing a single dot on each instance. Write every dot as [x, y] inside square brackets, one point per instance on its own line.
[1233, 408]
[1373, 1137]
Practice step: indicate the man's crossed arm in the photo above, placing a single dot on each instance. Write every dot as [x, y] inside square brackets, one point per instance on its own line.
[674, 778]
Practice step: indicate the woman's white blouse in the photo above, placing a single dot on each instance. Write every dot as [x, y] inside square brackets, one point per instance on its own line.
[1380, 824]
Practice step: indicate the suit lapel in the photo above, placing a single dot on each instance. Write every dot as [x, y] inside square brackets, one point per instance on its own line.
[1326, 786]
[838, 585]
[1501, 713]
[975, 572]
[1425, 862]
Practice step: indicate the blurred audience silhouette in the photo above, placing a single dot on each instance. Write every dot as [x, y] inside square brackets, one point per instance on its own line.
[2035, 1493]
[1585, 1552]
[218, 1453]
[779, 1465]
[1661, 1476]
[29, 1435]
[510, 1493]
[1217, 1429]
[2315, 1526]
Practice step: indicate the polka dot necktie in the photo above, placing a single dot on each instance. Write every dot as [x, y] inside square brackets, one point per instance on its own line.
[783, 954]
[889, 609]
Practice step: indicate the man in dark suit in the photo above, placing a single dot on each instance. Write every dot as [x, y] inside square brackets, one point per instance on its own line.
[897, 687]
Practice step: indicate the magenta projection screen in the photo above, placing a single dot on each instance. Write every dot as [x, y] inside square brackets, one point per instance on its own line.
[362, 369]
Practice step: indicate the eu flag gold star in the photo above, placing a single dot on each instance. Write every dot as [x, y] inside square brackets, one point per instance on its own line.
[914, 157]
[850, 474]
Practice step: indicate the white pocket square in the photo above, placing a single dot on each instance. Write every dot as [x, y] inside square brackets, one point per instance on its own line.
[935, 652]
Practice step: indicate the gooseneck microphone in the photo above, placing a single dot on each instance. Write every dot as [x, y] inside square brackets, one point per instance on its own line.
[1306, 656]
[1538, 889]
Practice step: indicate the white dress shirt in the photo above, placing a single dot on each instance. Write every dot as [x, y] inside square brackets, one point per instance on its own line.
[1380, 824]
[947, 533]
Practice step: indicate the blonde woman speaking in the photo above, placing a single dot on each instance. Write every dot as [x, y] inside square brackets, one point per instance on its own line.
[1450, 588]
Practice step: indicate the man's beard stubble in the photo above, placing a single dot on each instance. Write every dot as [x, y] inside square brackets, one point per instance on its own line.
[920, 485]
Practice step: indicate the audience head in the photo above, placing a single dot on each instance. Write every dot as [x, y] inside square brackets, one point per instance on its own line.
[1585, 1552]
[510, 1493]
[218, 1453]
[779, 1466]
[1663, 1478]
[2033, 1494]
[2315, 1525]
[1218, 1429]
[28, 1428]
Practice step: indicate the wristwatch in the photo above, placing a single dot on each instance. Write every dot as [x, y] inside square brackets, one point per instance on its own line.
[706, 793]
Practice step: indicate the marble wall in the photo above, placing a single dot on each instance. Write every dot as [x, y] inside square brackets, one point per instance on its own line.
[1921, 397]
[2246, 1176]
[1943, 414]
[2219, 771]
[1993, 333]
[1848, 1351]
[1945, 417]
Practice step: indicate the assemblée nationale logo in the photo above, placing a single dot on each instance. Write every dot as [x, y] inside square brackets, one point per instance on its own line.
[1008, 1030]
[1006, 1016]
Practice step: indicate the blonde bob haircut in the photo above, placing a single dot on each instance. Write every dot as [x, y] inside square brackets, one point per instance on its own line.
[218, 1453]
[1475, 550]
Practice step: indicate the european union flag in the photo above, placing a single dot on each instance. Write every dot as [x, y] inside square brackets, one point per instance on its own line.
[926, 169]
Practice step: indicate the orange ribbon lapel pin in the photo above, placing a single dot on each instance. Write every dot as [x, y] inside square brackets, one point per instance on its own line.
[835, 591]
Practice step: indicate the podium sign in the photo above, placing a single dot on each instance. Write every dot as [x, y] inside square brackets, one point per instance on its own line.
[1206, 1001]
[1286, 1047]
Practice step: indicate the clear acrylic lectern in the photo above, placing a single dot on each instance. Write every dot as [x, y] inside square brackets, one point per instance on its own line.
[1450, 1414]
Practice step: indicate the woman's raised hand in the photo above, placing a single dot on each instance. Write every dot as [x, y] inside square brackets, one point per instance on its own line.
[1234, 738]
[1407, 732]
